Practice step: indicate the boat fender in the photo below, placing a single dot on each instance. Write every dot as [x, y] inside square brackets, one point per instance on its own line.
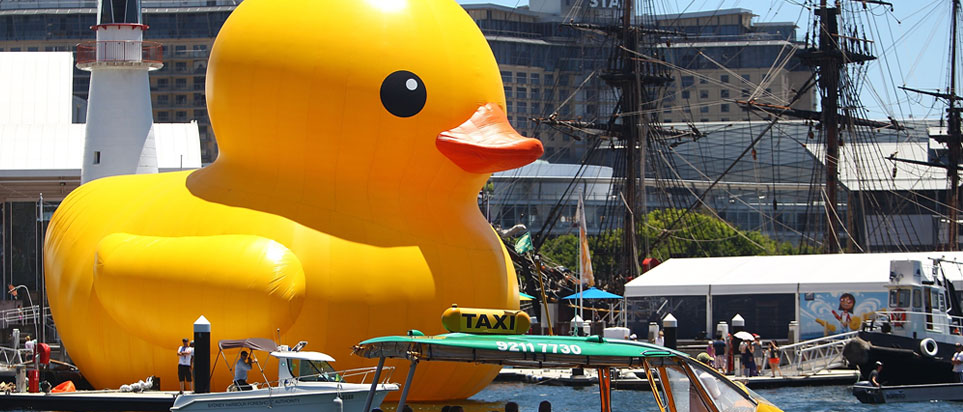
[338, 404]
[929, 347]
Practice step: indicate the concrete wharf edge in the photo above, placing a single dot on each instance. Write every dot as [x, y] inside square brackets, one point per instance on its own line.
[89, 401]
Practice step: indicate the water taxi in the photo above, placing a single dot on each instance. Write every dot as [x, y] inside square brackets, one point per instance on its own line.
[678, 382]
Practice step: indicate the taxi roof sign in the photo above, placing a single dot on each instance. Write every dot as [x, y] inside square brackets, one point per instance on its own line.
[486, 321]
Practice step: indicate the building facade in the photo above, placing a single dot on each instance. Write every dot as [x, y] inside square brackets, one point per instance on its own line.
[185, 28]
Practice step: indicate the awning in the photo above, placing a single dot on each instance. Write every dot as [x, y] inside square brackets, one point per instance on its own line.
[594, 293]
[262, 344]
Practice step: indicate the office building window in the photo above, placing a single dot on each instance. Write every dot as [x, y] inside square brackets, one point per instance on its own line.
[724, 93]
[508, 91]
[745, 92]
[724, 108]
[550, 79]
[704, 109]
[535, 78]
[688, 81]
[521, 93]
[180, 116]
[745, 77]
[521, 78]
[685, 94]
[163, 116]
[523, 107]
[703, 94]
[724, 78]
[506, 76]
[163, 100]
[534, 95]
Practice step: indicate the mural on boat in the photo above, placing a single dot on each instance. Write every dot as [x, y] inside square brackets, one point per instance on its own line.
[830, 313]
[354, 138]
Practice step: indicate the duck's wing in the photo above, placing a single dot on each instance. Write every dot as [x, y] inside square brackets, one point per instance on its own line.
[156, 287]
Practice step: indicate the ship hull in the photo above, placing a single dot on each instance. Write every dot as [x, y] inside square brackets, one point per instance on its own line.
[904, 362]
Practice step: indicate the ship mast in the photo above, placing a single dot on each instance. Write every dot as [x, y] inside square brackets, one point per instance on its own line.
[952, 140]
[952, 242]
[829, 58]
[631, 125]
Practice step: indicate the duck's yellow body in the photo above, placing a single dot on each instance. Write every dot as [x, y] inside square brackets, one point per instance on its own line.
[340, 207]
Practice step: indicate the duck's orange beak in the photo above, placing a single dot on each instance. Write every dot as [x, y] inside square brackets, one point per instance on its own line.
[487, 143]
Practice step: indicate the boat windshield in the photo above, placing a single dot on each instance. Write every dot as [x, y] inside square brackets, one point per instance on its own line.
[313, 371]
[724, 393]
[899, 298]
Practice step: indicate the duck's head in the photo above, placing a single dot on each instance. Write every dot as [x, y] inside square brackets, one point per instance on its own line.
[380, 93]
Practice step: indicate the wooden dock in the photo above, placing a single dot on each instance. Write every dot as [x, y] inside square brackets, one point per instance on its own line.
[89, 401]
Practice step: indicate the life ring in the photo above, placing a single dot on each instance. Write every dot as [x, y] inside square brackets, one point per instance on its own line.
[897, 317]
[929, 347]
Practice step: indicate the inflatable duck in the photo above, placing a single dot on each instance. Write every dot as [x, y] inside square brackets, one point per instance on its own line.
[354, 137]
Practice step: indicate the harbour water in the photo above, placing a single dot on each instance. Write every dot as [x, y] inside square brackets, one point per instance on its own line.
[567, 399]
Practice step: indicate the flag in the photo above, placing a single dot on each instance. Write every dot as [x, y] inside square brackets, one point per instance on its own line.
[585, 274]
[524, 244]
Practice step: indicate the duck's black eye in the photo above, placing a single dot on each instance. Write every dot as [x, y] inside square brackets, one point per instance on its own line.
[403, 93]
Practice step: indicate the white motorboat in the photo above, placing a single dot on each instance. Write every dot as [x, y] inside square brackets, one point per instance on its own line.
[306, 381]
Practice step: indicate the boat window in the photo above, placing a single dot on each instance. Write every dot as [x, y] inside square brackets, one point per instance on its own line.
[899, 298]
[917, 299]
[316, 371]
[683, 391]
[656, 382]
[724, 394]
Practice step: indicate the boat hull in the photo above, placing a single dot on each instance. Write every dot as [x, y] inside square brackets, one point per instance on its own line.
[867, 393]
[313, 397]
[903, 360]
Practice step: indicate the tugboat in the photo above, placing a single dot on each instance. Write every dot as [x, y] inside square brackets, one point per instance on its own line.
[915, 337]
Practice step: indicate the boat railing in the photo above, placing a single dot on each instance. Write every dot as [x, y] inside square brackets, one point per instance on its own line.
[811, 356]
[357, 376]
[899, 320]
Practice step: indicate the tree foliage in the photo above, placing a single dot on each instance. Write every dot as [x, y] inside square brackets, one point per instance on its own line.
[696, 234]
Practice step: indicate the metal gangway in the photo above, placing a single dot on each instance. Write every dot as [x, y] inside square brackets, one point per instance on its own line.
[812, 356]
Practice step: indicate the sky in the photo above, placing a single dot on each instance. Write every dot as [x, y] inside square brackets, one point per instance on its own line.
[911, 44]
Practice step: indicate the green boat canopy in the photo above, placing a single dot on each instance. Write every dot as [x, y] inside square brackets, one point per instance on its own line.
[516, 350]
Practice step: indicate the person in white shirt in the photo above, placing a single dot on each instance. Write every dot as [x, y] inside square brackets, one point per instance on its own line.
[958, 361]
[241, 368]
[185, 356]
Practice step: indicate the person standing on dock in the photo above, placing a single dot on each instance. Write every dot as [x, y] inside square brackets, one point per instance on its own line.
[719, 347]
[958, 362]
[185, 354]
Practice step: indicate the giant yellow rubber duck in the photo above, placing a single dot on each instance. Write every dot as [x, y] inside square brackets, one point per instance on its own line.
[354, 137]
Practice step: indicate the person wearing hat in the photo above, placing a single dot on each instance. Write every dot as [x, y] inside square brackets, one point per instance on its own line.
[185, 356]
[958, 361]
[874, 375]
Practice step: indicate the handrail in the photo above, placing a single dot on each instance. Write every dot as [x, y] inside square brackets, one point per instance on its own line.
[814, 355]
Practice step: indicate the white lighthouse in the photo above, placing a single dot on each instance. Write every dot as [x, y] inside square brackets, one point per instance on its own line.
[119, 138]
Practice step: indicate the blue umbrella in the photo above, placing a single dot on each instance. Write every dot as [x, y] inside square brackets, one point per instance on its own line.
[594, 293]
